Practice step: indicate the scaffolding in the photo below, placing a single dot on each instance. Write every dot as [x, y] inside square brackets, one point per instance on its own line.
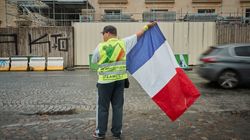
[30, 3]
[29, 12]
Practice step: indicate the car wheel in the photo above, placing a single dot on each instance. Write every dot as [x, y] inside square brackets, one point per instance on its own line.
[228, 79]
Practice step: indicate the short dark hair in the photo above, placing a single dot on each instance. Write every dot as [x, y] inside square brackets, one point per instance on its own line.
[110, 29]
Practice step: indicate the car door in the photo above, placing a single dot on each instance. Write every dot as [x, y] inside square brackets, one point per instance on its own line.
[242, 53]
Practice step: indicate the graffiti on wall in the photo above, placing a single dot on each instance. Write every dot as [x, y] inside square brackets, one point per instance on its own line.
[13, 39]
[3, 63]
[60, 42]
[38, 41]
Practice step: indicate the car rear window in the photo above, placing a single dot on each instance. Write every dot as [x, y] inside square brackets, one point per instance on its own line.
[242, 51]
[211, 51]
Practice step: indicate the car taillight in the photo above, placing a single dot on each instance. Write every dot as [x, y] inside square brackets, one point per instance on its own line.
[208, 60]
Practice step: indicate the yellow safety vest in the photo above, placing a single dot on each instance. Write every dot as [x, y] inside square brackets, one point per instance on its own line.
[112, 63]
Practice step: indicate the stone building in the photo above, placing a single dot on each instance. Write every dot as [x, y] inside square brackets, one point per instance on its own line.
[53, 12]
[137, 9]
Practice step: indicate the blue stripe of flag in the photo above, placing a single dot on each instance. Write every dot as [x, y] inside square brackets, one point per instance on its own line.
[144, 48]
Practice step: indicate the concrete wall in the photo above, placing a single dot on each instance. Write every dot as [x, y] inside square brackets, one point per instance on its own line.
[2, 13]
[8, 13]
[12, 14]
[187, 38]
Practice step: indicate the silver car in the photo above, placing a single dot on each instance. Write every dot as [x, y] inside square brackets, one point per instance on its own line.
[228, 65]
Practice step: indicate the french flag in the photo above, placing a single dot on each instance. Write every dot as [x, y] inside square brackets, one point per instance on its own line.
[152, 63]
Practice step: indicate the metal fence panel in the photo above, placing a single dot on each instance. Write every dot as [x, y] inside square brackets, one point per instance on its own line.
[233, 33]
[184, 37]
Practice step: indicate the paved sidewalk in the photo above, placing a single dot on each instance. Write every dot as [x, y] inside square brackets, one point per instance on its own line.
[61, 106]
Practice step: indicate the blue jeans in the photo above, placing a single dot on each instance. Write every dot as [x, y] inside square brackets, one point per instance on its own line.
[110, 93]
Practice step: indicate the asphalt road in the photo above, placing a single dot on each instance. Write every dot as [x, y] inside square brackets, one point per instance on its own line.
[61, 105]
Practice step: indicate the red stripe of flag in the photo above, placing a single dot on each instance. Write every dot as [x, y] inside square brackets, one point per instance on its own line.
[177, 95]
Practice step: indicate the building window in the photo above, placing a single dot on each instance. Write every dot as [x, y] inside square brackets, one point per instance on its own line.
[206, 10]
[116, 15]
[159, 15]
[159, 10]
[248, 13]
[112, 1]
[112, 12]
[158, 1]
[206, 1]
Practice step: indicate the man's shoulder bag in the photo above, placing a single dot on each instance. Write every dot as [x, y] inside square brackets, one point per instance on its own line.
[126, 83]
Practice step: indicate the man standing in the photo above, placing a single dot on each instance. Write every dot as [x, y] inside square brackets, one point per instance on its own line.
[110, 56]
